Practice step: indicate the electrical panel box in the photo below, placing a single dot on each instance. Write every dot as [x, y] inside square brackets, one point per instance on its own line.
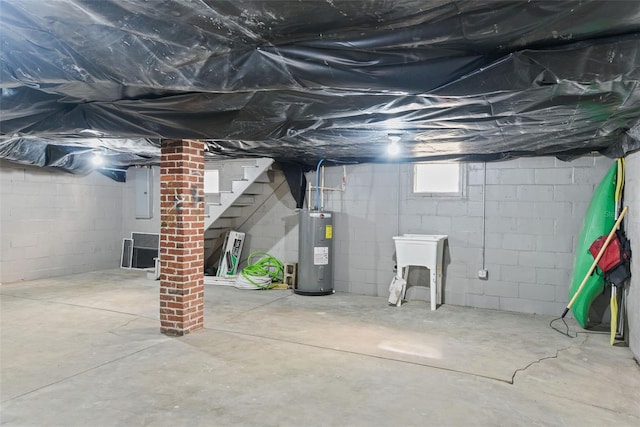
[230, 255]
[315, 254]
[144, 192]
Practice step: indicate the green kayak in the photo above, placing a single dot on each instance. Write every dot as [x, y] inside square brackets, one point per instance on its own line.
[599, 220]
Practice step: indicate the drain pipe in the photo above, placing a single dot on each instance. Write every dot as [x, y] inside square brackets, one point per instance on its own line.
[483, 273]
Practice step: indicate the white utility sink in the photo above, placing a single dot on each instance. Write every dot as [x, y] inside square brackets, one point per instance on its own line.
[424, 250]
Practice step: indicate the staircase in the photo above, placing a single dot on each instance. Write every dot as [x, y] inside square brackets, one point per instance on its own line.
[226, 209]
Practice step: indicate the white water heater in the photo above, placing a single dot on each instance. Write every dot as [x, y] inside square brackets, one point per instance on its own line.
[315, 254]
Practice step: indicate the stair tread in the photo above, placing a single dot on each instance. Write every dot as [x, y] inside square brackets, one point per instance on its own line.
[244, 192]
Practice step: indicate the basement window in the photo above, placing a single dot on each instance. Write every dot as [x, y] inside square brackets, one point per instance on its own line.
[435, 178]
[211, 181]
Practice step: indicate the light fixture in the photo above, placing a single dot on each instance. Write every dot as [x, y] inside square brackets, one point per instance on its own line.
[394, 148]
[97, 159]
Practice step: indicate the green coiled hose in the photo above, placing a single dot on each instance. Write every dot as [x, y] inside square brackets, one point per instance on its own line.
[264, 272]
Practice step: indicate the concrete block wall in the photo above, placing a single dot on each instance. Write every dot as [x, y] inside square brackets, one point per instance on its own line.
[632, 223]
[273, 227]
[534, 210]
[366, 219]
[228, 171]
[54, 223]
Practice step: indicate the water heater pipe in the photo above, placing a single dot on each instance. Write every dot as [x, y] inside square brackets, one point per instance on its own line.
[322, 190]
[318, 184]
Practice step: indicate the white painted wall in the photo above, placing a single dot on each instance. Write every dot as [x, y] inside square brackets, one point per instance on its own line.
[632, 199]
[535, 208]
[152, 225]
[273, 227]
[53, 223]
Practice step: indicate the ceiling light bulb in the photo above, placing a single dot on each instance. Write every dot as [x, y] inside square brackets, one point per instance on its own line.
[393, 149]
[97, 159]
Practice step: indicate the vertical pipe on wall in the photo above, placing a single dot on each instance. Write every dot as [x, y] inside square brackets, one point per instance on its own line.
[322, 191]
[318, 185]
[484, 211]
[343, 186]
[398, 204]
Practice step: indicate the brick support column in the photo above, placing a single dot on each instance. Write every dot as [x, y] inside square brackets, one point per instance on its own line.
[181, 237]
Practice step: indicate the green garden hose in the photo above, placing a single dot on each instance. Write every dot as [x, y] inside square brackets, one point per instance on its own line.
[262, 273]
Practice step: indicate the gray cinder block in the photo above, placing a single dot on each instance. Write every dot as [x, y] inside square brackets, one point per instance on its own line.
[536, 291]
[499, 288]
[483, 301]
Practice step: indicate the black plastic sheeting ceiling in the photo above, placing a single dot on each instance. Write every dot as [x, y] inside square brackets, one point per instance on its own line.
[300, 81]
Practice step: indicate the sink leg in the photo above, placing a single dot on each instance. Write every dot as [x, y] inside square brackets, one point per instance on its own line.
[433, 288]
[404, 271]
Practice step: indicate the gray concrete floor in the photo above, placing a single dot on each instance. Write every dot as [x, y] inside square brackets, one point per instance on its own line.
[86, 350]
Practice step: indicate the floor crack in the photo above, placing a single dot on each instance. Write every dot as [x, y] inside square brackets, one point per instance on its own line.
[92, 368]
[362, 354]
[138, 316]
[113, 331]
[263, 305]
[542, 359]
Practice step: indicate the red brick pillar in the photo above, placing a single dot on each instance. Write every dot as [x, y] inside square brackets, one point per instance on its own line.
[181, 237]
